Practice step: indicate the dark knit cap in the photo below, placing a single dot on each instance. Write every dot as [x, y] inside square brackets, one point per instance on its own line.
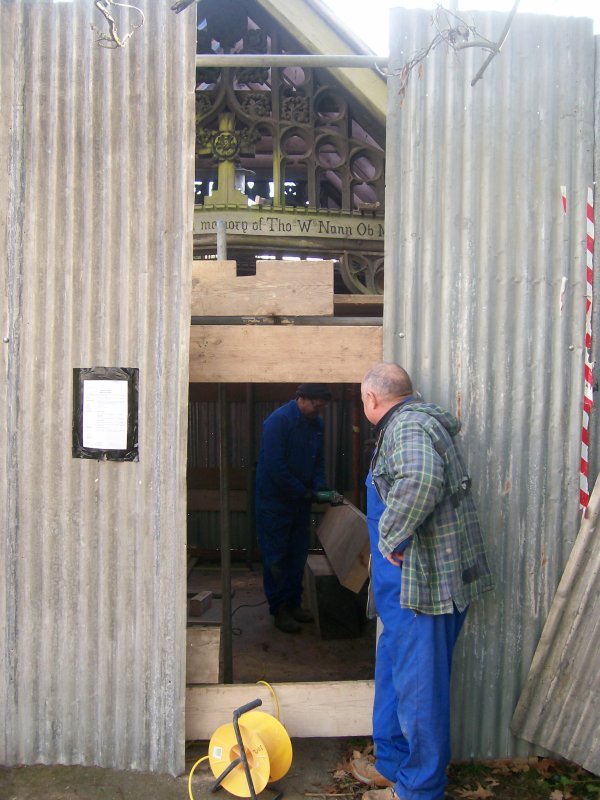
[314, 391]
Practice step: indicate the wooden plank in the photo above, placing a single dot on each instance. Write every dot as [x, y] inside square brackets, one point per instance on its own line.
[202, 654]
[358, 305]
[279, 288]
[359, 300]
[213, 616]
[200, 603]
[283, 353]
[321, 709]
[344, 534]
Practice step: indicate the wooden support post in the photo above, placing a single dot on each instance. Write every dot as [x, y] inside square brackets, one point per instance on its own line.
[225, 535]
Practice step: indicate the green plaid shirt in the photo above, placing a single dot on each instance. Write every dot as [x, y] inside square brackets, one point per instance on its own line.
[420, 475]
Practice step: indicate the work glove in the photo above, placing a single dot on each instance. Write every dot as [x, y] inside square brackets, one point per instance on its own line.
[328, 496]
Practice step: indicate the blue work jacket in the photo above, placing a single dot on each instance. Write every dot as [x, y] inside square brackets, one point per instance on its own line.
[291, 462]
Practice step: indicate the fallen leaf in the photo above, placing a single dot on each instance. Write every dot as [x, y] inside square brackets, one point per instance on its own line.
[500, 768]
[508, 766]
[557, 795]
[546, 766]
[480, 793]
[519, 765]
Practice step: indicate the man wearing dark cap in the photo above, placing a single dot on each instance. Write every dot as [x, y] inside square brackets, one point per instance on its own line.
[290, 470]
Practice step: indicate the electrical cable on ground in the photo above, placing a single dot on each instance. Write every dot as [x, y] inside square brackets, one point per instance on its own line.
[190, 793]
[238, 631]
[248, 605]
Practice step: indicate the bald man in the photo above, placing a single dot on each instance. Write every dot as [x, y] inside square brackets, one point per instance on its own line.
[428, 564]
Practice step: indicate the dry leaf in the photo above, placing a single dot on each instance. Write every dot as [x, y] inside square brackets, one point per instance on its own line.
[508, 766]
[480, 793]
[500, 768]
[546, 766]
[557, 795]
[519, 765]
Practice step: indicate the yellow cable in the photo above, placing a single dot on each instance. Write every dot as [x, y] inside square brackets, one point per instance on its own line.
[270, 688]
[190, 793]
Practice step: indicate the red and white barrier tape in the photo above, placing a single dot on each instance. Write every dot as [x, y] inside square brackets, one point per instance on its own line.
[588, 366]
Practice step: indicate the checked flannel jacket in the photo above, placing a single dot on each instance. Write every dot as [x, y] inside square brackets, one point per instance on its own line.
[429, 513]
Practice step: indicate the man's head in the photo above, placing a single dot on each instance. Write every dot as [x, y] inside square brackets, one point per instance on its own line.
[383, 386]
[312, 398]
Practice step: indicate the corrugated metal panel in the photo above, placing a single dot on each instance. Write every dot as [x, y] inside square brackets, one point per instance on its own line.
[557, 708]
[96, 236]
[558, 705]
[477, 247]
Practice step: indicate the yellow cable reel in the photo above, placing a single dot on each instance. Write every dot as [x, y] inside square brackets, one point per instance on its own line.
[267, 747]
[275, 738]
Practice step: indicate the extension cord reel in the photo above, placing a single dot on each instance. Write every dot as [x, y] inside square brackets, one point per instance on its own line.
[267, 747]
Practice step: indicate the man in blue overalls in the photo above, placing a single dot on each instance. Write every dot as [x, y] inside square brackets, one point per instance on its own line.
[290, 470]
[428, 563]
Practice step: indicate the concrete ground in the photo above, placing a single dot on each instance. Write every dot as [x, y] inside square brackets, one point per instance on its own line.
[261, 652]
[311, 775]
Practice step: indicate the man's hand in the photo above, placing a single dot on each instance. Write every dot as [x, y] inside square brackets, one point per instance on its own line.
[396, 559]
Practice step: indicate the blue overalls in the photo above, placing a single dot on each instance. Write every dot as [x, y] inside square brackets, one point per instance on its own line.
[411, 710]
[284, 538]
[290, 466]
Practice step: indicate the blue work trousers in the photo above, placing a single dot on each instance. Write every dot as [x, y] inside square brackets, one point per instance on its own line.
[411, 711]
[283, 536]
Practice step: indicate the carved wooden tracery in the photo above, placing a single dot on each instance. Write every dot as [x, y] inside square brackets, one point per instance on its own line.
[285, 138]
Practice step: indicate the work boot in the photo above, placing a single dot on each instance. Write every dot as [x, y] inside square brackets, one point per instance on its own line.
[364, 771]
[285, 621]
[302, 615]
[381, 794]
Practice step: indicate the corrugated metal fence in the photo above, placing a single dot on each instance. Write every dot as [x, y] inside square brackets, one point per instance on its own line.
[96, 242]
[485, 301]
[485, 306]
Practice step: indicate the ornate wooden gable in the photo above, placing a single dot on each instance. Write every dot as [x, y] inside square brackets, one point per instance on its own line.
[287, 157]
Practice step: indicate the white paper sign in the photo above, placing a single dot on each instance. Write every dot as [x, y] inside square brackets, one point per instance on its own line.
[105, 415]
